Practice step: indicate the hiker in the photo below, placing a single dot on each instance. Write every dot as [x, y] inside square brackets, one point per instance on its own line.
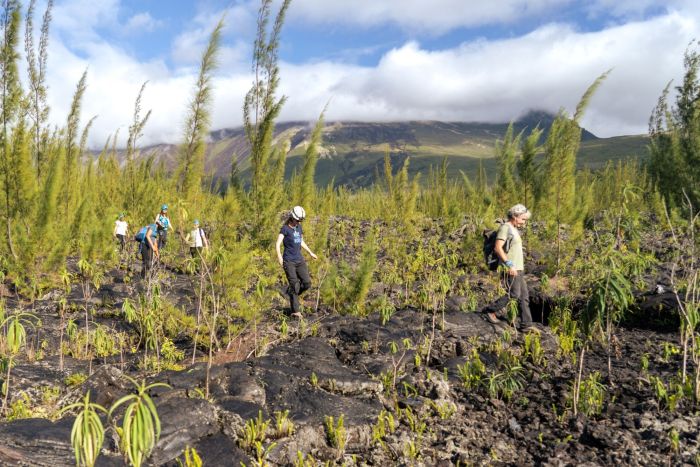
[149, 248]
[163, 224]
[197, 240]
[509, 249]
[292, 261]
[121, 229]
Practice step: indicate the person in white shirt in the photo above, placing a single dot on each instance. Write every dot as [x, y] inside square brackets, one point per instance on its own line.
[121, 229]
[197, 240]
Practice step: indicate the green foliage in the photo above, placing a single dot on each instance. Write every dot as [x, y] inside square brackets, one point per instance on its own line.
[670, 395]
[526, 168]
[592, 395]
[308, 188]
[444, 410]
[191, 158]
[335, 433]
[559, 169]
[533, 348]
[402, 195]
[675, 138]
[260, 110]
[284, 426]
[254, 432]
[362, 279]
[386, 425]
[87, 434]
[345, 289]
[192, 458]
[472, 371]
[508, 380]
[140, 428]
[566, 330]
[609, 298]
[75, 379]
[507, 154]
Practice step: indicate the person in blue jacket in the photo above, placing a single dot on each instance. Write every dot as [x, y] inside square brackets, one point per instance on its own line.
[149, 249]
[291, 236]
[164, 225]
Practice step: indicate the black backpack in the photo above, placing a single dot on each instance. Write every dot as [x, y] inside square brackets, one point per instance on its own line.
[490, 256]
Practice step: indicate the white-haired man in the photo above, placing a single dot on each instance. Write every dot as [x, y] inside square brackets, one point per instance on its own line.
[509, 249]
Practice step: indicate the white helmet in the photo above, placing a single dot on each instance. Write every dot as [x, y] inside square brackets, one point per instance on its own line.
[298, 213]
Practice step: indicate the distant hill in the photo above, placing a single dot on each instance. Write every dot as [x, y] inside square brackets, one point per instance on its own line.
[352, 152]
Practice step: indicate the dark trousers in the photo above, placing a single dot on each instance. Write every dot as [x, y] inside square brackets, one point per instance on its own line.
[122, 241]
[162, 238]
[297, 273]
[147, 258]
[516, 288]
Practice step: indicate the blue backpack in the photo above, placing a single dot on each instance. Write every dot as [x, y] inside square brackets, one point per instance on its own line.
[141, 235]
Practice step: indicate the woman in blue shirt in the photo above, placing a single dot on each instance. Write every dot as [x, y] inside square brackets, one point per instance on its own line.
[163, 224]
[295, 268]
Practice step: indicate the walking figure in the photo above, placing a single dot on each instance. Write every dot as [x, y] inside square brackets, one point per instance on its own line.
[292, 261]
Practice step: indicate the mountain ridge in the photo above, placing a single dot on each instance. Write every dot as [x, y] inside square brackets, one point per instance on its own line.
[350, 150]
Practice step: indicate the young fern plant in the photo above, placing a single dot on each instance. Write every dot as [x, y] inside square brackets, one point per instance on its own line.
[610, 296]
[15, 339]
[140, 428]
[87, 434]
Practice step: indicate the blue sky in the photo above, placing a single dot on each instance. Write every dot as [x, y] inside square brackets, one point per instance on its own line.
[375, 60]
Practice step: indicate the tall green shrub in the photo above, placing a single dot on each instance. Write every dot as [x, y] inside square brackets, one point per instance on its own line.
[260, 110]
[191, 157]
[675, 138]
[507, 154]
[559, 170]
[36, 71]
[308, 188]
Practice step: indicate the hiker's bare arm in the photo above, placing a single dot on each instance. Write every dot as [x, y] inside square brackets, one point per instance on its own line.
[278, 246]
[151, 243]
[306, 247]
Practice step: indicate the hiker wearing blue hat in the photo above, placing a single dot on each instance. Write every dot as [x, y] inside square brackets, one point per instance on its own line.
[163, 224]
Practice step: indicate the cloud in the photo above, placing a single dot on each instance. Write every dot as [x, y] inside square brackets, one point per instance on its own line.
[434, 17]
[239, 22]
[142, 22]
[636, 9]
[77, 20]
[479, 80]
[549, 68]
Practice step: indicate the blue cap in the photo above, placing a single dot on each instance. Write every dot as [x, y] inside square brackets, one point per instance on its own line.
[164, 207]
[196, 222]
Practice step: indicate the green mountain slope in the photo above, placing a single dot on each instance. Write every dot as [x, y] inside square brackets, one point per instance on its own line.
[352, 152]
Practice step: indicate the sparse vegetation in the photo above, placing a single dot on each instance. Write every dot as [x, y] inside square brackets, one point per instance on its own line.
[398, 279]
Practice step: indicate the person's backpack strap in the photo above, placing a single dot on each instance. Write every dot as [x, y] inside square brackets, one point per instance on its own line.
[509, 238]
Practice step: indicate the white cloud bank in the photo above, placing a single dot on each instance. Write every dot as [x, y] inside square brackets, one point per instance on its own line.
[482, 80]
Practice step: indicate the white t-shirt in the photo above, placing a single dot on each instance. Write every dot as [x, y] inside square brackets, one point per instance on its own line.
[121, 227]
[197, 238]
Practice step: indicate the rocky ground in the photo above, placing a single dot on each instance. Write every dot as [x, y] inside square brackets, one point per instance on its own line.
[398, 406]
[343, 366]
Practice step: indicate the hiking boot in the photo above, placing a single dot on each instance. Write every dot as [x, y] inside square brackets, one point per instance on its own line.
[531, 327]
[491, 318]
